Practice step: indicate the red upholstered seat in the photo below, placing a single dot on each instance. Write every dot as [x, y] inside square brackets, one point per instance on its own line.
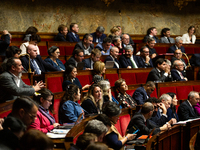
[62, 50]
[56, 109]
[161, 50]
[130, 92]
[196, 50]
[43, 50]
[26, 81]
[118, 127]
[69, 50]
[183, 91]
[129, 77]
[84, 79]
[5, 114]
[154, 94]
[124, 121]
[112, 78]
[63, 61]
[196, 88]
[54, 84]
[164, 90]
[75, 139]
[189, 50]
[141, 77]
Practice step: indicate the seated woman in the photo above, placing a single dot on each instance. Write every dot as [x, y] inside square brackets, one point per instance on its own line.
[197, 108]
[30, 31]
[69, 109]
[189, 38]
[99, 70]
[44, 121]
[115, 31]
[113, 138]
[93, 101]
[53, 60]
[116, 41]
[70, 78]
[121, 95]
[171, 111]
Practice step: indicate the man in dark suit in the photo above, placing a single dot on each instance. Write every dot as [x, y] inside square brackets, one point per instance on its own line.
[4, 42]
[178, 71]
[178, 45]
[77, 57]
[186, 110]
[98, 36]
[61, 36]
[72, 36]
[178, 56]
[86, 44]
[151, 32]
[141, 121]
[114, 52]
[150, 44]
[95, 56]
[121, 34]
[165, 33]
[38, 65]
[129, 60]
[144, 60]
[161, 73]
[11, 84]
[142, 93]
[125, 40]
[195, 60]
[105, 46]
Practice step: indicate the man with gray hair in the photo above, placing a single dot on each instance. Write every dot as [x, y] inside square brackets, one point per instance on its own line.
[125, 40]
[114, 52]
[178, 71]
[129, 60]
[98, 36]
[186, 109]
[178, 45]
[96, 127]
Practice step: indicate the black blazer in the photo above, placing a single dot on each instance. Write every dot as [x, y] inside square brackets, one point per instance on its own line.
[152, 50]
[101, 38]
[195, 60]
[140, 95]
[109, 58]
[185, 112]
[71, 61]
[142, 64]
[60, 37]
[4, 45]
[176, 76]
[138, 120]
[159, 119]
[87, 62]
[174, 58]
[154, 75]
[125, 62]
[44, 66]
[147, 36]
[173, 48]
[89, 106]
[79, 45]
[71, 38]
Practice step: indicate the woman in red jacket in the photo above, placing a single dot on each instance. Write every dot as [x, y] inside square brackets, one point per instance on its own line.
[44, 121]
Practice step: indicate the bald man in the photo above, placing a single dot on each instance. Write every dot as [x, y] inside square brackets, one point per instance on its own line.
[178, 71]
[178, 56]
[38, 65]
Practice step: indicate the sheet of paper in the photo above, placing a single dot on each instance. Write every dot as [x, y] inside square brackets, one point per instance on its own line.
[58, 133]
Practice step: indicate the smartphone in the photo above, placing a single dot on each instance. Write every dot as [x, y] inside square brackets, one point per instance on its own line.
[136, 131]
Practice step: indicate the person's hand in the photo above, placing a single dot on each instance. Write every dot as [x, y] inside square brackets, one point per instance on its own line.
[129, 67]
[167, 70]
[165, 127]
[56, 125]
[5, 32]
[39, 85]
[110, 95]
[87, 68]
[131, 136]
[164, 110]
[186, 79]
[1, 122]
[147, 59]
[86, 86]
[172, 121]
[153, 55]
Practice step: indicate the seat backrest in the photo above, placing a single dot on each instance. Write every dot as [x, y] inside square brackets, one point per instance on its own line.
[112, 78]
[183, 91]
[6, 108]
[124, 121]
[129, 78]
[164, 90]
[196, 88]
[141, 78]
[161, 50]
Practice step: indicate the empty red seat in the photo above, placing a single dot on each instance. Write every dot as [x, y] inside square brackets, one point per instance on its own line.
[141, 77]
[183, 91]
[62, 50]
[161, 50]
[129, 77]
[196, 88]
[189, 50]
[43, 50]
[124, 121]
[69, 50]
[112, 78]
[54, 84]
[164, 90]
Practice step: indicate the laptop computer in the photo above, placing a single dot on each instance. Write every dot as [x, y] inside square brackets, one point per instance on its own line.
[80, 65]
[109, 64]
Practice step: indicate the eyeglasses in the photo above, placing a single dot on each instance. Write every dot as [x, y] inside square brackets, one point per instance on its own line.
[178, 53]
[80, 56]
[30, 115]
[50, 101]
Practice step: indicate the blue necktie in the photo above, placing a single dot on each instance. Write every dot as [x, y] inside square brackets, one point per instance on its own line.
[36, 69]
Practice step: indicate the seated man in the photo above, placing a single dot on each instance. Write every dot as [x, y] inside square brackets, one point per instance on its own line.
[77, 57]
[125, 40]
[151, 32]
[150, 44]
[61, 36]
[142, 93]
[161, 118]
[144, 60]
[141, 120]
[178, 45]
[178, 56]
[129, 60]
[165, 33]
[95, 56]
[98, 36]
[114, 52]
[105, 46]
[178, 71]
[161, 73]
[11, 84]
[72, 35]
[186, 110]
[38, 65]
[121, 33]
[34, 40]
[195, 60]
[4, 42]
[86, 44]
[116, 41]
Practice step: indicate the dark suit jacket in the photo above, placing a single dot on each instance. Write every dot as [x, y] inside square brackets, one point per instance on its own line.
[173, 48]
[147, 36]
[186, 112]
[71, 61]
[195, 60]
[44, 66]
[138, 120]
[100, 39]
[142, 64]
[87, 62]
[176, 76]
[79, 45]
[67, 82]
[71, 38]
[159, 119]
[60, 37]
[89, 106]
[140, 95]
[152, 50]
[59, 62]
[9, 89]
[174, 58]
[154, 75]
[4, 45]
[109, 58]
[125, 62]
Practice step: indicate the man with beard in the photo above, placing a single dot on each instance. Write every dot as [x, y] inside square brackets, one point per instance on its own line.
[11, 84]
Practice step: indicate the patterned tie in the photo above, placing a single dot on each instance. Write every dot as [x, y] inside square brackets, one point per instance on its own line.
[36, 69]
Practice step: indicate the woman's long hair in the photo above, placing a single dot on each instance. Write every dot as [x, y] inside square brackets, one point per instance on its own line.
[117, 86]
[68, 71]
[173, 108]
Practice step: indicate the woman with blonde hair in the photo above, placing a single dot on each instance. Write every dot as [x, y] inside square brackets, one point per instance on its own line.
[99, 69]
[93, 101]
[114, 31]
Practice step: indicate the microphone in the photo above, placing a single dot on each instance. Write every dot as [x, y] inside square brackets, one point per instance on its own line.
[29, 69]
[189, 66]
